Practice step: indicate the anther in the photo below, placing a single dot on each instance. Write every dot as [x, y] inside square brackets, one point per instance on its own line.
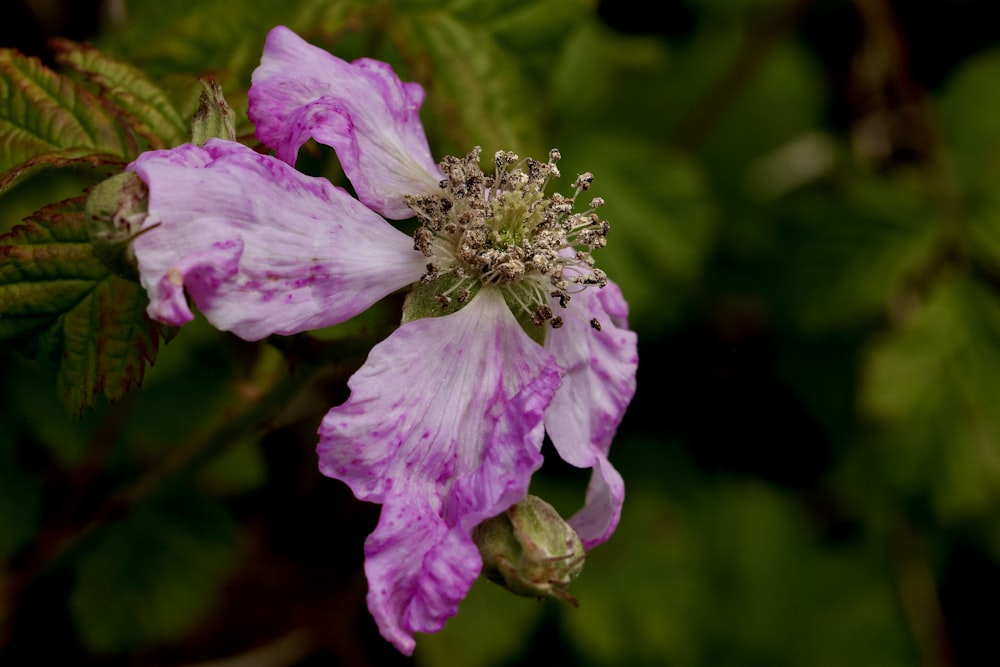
[541, 314]
[584, 181]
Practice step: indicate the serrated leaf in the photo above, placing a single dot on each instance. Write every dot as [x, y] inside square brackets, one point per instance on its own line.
[63, 305]
[150, 112]
[71, 157]
[150, 578]
[45, 118]
[933, 387]
[473, 83]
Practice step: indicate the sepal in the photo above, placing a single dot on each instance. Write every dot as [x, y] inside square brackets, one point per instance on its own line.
[114, 212]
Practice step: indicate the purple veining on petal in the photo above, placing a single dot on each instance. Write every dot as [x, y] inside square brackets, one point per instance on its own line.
[589, 406]
[444, 427]
[259, 247]
[361, 109]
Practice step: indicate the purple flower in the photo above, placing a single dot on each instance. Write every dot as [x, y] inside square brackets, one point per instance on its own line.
[446, 418]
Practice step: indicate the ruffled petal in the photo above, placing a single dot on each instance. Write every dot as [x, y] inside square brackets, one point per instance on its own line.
[259, 247]
[444, 427]
[589, 406]
[361, 109]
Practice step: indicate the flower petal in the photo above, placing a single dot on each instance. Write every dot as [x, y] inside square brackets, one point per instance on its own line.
[361, 109]
[585, 412]
[260, 248]
[444, 427]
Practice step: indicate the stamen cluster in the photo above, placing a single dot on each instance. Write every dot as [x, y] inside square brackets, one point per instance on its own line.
[503, 231]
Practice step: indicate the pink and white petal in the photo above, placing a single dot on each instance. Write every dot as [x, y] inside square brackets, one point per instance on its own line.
[444, 427]
[361, 109]
[589, 406]
[260, 248]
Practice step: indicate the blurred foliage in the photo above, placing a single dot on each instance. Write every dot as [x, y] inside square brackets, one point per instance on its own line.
[805, 223]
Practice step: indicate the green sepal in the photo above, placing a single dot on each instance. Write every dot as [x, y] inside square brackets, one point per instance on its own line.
[115, 210]
[422, 301]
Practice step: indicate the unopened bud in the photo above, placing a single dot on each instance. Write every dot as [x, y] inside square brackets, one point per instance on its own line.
[214, 118]
[530, 550]
[115, 211]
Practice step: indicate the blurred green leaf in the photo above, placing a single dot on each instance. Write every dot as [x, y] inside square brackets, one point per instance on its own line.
[969, 107]
[603, 78]
[532, 32]
[475, 87]
[932, 386]
[150, 113]
[535, 25]
[195, 37]
[492, 627]
[662, 225]
[730, 573]
[49, 120]
[844, 251]
[152, 577]
[61, 305]
[767, 108]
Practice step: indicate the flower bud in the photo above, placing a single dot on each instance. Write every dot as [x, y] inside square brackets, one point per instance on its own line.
[530, 550]
[115, 211]
[214, 118]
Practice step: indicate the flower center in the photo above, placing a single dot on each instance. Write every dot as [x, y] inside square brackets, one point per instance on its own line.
[503, 231]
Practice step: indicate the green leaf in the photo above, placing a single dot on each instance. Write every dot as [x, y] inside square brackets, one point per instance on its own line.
[192, 37]
[70, 157]
[846, 251]
[47, 119]
[60, 304]
[662, 224]
[532, 32]
[968, 123]
[932, 386]
[730, 573]
[150, 112]
[151, 578]
[601, 74]
[473, 84]
[491, 628]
